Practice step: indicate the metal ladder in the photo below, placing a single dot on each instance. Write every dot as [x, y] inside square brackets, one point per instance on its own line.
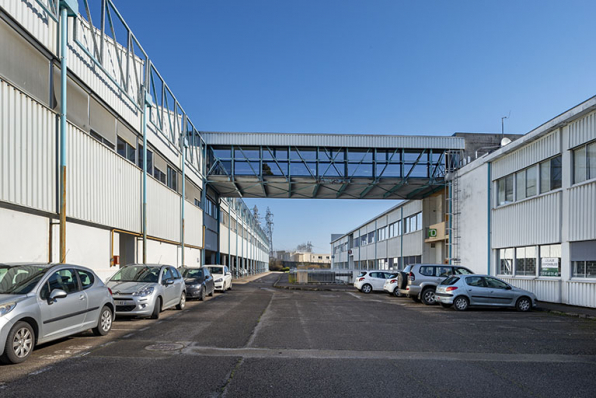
[452, 205]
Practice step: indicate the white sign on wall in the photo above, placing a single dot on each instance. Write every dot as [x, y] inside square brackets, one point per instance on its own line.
[550, 262]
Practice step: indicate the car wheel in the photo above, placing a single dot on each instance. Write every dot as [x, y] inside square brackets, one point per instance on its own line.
[428, 296]
[212, 291]
[156, 308]
[523, 304]
[461, 303]
[230, 287]
[182, 302]
[19, 343]
[104, 324]
[396, 292]
[202, 296]
[446, 305]
[366, 289]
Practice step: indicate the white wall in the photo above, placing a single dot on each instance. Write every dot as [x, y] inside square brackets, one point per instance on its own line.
[30, 231]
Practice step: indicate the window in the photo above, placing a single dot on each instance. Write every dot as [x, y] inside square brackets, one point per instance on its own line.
[505, 190]
[525, 261]
[371, 237]
[476, 281]
[86, 278]
[495, 283]
[167, 274]
[550, 260]
[125, 150]
[584, 163]
[159, 175]
[526, 183]
[583, 259]
[427, 271]
[149, 160]
[172, 179]
[506, 261]
[584, 269]
[101, 139]
[550, 174]
[64, 279]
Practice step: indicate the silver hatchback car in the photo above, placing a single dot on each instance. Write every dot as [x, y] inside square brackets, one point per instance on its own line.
[45, 302]
[463, 291]
[146, 289]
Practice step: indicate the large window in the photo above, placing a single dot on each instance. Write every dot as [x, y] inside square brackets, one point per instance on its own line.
[371, 237]
[584, 163]
[550, 174]
[125, 150]
[413, 223]
[583, 259]
[172, 179]
[506, 257]
[584, 269]
[149, 160]
[505, 189]
[525, 261]
[526, 183]
[550, 260]
[159, 175]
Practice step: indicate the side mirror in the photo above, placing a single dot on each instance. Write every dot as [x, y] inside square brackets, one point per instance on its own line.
[56, 294]
[228, 273]
[168, 282]
[508, 288]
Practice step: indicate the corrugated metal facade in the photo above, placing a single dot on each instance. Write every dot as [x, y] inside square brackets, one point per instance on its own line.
[531, 222]
[102, 187]
[581, 293]
[163, 211]
[193, 225]
[582, 212]
[582, 130]
[334, 140]
[35, 20]
[543, 148]
[27, 151]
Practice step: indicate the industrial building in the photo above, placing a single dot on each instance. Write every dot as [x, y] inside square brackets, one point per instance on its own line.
[524, 212]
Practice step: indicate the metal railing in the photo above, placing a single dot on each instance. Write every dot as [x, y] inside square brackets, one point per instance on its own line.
[321, 276]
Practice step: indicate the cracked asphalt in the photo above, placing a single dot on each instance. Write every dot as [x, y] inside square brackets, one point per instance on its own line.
[260, 341]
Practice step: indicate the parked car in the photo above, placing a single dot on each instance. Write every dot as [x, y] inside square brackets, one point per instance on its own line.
[146, 290]
[368, 281]
[199, 282]
[463, 291]
[423, 279]
[391, 285]
[221, 276]
[44, 302]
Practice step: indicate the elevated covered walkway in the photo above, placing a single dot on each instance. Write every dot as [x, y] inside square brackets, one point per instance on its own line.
[327, 166]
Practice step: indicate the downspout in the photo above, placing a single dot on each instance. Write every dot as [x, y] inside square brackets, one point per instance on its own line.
[218, 254]
[204, 201]
[147, 101]
[376, 237]
[451, 222]
[488, 238]
[63, 108]
[229, 233]
[401, 236]
[184, 144]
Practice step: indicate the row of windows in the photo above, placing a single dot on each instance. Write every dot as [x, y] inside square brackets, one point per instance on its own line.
[542, 177]
[409, 224]
[584, 163]
[390, 263]
[527, 261]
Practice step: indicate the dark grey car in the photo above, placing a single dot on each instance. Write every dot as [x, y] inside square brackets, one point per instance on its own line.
[45, 302]
[199, 282]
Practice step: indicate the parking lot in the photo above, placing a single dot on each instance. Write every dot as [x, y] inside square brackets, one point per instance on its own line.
[260, 341]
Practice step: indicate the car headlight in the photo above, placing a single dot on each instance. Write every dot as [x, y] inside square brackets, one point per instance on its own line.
[145, 292]
[6, 308]
[219, 280]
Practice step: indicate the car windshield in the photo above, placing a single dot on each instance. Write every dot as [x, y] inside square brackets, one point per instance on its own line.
[462, 271]
[391, 276]
[216, 270]
[192, 273]
[450, 281]
[20, 279]
[139, 273]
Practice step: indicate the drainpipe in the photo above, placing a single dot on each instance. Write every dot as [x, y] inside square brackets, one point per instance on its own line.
[451, 222]
[488, 236]
[147, 103]
[218, 254]
[68, 8]
[184, 145]
[401, 236]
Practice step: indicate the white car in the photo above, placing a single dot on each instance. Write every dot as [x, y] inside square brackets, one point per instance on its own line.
[390, 286]
[221, 276]
[369, 281]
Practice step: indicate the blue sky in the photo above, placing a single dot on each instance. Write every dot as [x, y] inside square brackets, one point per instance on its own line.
[366, 67]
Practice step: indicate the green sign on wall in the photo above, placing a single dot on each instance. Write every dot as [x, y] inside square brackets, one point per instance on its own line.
[432, 232]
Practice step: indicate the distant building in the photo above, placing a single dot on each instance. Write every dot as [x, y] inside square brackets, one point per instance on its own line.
[294, 259]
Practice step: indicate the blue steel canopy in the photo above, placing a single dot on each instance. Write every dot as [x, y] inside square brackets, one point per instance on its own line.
[325, 166]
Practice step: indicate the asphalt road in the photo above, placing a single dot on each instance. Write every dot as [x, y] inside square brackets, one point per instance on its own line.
[260, 341]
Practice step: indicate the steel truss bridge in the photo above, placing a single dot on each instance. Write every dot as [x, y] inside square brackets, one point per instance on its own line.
[328, 166]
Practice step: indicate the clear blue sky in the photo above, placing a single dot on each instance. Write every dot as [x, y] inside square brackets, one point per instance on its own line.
[367, 67]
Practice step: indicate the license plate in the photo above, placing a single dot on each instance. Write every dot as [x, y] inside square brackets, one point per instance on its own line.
[123, 302]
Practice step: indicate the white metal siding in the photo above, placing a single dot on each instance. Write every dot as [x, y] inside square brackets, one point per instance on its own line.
[541, 149]
[35, 20]
[334, 140]
[413, 243]
[582, 212]
[163, 211]
[102, 187]
[193, 225]
[233, 243]
[582, 130]
[545, 290]
[581, 293]
[531, 222]
[394, 247]
[27, 151]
